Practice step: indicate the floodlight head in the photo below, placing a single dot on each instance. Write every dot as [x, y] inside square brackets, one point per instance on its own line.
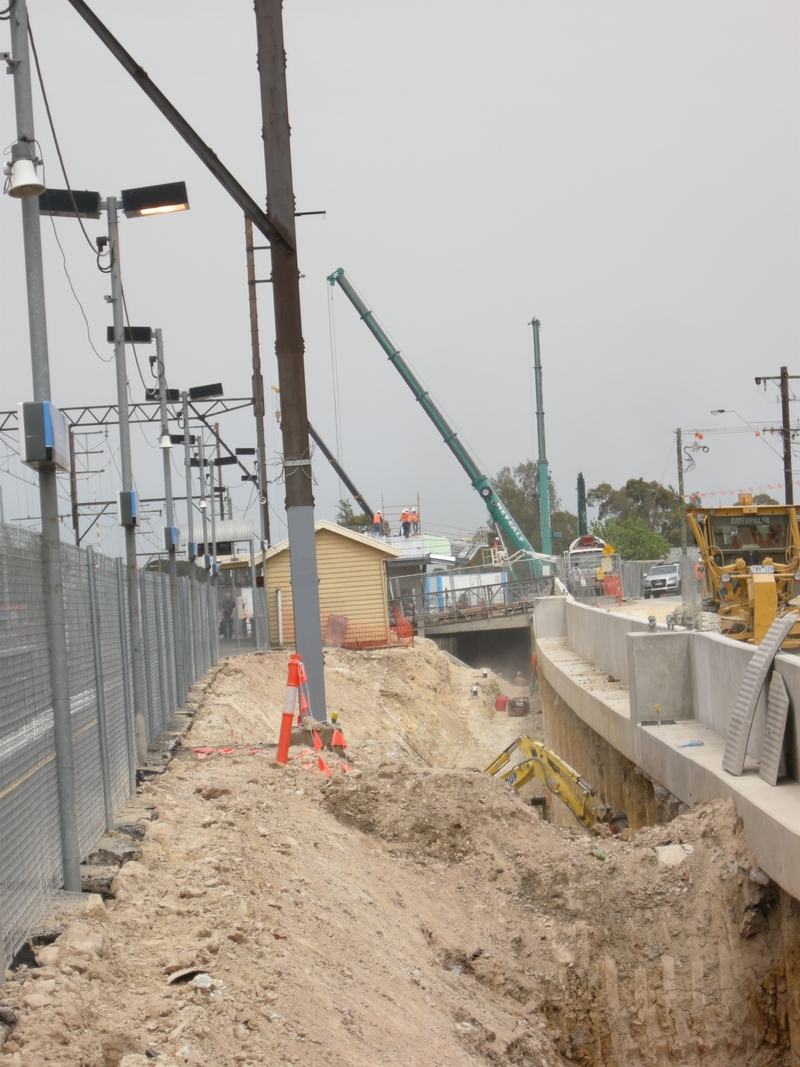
[65, 204]
[165, 441]
[202, 505]
[24, 180]
[201, 392]
[155, 200]
[718, 411]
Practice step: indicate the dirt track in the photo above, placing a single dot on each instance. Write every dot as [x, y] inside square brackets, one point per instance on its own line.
[402, 914]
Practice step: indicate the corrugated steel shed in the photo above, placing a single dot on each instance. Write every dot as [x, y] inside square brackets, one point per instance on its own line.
[232, 530]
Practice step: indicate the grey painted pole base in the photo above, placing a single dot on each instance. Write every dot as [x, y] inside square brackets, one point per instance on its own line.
[305, 600]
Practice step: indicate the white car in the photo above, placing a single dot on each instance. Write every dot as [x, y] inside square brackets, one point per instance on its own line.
[663, 579]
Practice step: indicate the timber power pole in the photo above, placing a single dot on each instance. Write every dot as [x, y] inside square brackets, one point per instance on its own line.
[289, 348]
[787, 437]
[258, 382]
[679, 437]
[786, 429]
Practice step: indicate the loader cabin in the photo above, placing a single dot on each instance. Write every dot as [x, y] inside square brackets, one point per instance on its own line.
[750, 532]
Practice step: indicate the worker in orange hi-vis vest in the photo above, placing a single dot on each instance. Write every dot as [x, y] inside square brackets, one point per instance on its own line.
[534, 674]
[415, 521]
[377, 524]
[405, 522]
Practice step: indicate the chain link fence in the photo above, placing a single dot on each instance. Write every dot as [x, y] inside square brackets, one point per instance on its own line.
[101, 705]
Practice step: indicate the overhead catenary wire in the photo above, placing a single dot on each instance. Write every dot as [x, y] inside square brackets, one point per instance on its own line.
[104, 359]
[46, 102]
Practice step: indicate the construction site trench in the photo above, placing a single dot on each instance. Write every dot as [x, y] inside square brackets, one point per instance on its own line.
[405, 908]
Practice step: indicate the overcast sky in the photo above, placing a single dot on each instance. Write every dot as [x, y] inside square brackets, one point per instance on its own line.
[626, 172]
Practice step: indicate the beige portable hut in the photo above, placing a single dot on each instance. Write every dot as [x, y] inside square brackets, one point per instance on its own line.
[352, 580]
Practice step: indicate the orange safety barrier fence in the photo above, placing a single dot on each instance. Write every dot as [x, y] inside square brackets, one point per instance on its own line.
[340, 632]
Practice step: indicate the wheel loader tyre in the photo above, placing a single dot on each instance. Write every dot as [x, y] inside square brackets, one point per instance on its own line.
[708, 622]
[678, 614]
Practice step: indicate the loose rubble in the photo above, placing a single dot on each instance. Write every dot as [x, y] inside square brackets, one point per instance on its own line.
[412, 915]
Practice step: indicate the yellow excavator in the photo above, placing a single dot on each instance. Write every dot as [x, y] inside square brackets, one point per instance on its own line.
[562, 780]
[751, 556]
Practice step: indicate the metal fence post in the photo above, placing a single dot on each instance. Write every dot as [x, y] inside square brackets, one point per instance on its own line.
[196, 642]
[188, 657]
[236, 620]
[253, 622]
[160, 650]
[130, 729]
[147, 666]
[211, 614]
[94, 614]
[170, 651]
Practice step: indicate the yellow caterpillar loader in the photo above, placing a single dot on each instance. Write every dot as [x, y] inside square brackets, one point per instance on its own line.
[751, 556]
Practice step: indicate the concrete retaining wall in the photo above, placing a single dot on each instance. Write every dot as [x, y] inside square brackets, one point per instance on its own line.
[695, 678]
[599, 637]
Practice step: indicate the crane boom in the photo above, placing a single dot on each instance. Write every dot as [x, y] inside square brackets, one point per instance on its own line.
[501, 516]
[359, 499]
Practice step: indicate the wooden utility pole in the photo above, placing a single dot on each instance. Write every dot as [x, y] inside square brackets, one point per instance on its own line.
[787, 437]
[258, 382]
[290, 348]
[786, 429]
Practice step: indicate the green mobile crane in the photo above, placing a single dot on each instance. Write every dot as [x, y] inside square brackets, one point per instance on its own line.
[516, 543]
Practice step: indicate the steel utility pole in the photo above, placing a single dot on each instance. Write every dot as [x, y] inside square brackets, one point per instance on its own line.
[172, 541]
[583, 524]
[786, 430]
[542, 466]
[131, 569]
[289, 348]
[48, 492]
[679, 436]
[258, 381]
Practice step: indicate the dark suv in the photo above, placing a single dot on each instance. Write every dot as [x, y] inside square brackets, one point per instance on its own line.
[662, 579]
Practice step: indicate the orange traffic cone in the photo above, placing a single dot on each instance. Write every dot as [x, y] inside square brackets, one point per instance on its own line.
[289, 701]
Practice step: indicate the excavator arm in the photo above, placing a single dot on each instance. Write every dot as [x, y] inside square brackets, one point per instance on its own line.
[562, 780]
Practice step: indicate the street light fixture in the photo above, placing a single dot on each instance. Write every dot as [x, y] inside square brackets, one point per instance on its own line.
[154, 199]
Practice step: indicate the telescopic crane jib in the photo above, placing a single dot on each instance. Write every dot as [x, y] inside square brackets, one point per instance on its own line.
[543, 565]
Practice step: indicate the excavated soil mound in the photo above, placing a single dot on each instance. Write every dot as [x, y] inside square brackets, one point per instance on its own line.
[393, 703]
[403, 914]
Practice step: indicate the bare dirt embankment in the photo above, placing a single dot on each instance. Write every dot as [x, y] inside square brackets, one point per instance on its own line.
[409, 915]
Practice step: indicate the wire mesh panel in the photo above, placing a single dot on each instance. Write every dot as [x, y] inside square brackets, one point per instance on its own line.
[196, 634]
[30, 847]
[150, 642]
[168, 630]
[116, 711]
[83, 699]
[162, 702]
